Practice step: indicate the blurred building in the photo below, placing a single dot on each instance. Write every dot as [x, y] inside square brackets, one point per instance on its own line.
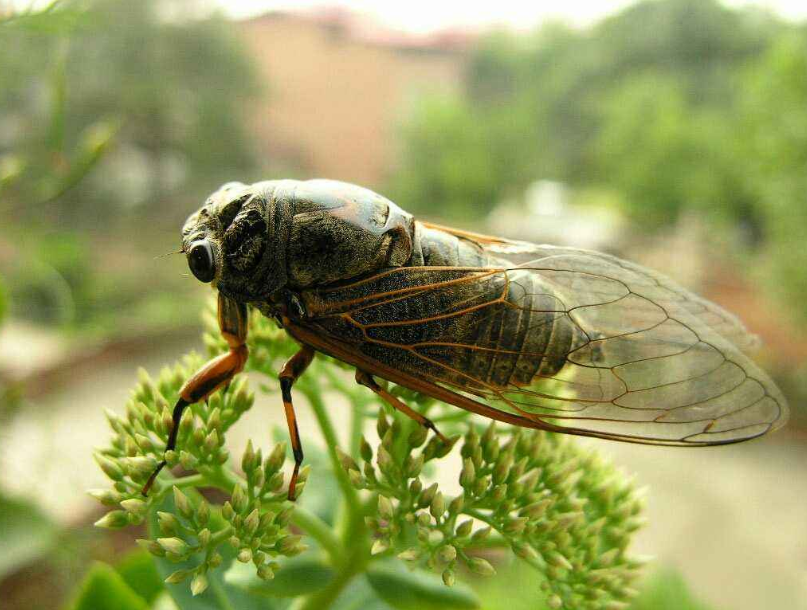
[339, 86]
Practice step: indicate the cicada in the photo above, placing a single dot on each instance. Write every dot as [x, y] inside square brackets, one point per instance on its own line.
[538, 336]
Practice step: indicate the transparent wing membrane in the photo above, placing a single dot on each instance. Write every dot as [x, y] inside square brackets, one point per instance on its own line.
[573, 339]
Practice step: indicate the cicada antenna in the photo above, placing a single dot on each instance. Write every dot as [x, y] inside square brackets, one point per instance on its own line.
[181, 251]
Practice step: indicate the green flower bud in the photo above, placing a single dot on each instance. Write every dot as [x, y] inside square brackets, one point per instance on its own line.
[198, 584]
[168, 523]
[413, 466]
[499, 493]
[456, 505]
[427, 495]
[275, 460]
[409, 555]
[266, 521]
[173, 545]
[276, 482]
[265, 573]
[468, 474]
[447, 553]
[212, 441]
[382, 425]
[481, 566]
[251, 522]
[115, 519]
[186, 459]
[481, 485]
[379, 546]
[239, 499]
[438, 505]
[536, 510]
[284, 516]
[144, 442]
[215, 561]
[245, 555]
[365, 450]
[356, 479]
[110, 467]
[448, 577]
[554, 602]
[151, 546]
[480, 535]
[248, 461]
[524, 550]
[107, 497]
[385, 462]
[417, 437]
[464, 528]
[203, 512]
[214, 421]
[178, 576]
[348, 463]
[182, 503]
[227, 511]
[385, 508]
[515, 526]
[556, 559]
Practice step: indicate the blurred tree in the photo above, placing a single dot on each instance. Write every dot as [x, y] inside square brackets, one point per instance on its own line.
[549, 104]
[152, 104]
[175, 89]
[774, 124]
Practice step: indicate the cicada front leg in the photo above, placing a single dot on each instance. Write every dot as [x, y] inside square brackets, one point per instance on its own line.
[217, 373]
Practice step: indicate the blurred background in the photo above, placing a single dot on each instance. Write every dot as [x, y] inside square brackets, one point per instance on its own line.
[670, 132]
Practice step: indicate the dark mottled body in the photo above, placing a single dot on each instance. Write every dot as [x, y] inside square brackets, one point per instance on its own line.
[311, 243]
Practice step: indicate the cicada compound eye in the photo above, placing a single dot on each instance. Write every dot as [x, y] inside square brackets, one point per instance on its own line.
[201, 261]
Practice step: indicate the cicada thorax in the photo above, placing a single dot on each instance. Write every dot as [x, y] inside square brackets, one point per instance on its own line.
[288, 234]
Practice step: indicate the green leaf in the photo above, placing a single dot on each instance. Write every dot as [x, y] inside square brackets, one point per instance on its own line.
[300, 575]
[27, 534]
[359, 595]
[404, 590]
[140, 573]
[666, 590]
[104, 589]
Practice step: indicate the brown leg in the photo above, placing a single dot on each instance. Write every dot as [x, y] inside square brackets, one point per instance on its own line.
[290, 373]
[367, 380]
[215, 374]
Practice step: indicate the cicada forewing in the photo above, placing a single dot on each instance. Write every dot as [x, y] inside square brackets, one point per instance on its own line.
[555, 338]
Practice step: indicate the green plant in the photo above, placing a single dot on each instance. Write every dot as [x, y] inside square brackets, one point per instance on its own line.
[559, 508]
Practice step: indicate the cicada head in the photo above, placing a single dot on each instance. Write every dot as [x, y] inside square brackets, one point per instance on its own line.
[235, 241]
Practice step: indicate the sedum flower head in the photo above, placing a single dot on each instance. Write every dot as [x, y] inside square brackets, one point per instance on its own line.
[561, 509]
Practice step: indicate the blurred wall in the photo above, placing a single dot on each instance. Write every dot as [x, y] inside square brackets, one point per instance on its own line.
[339, 87]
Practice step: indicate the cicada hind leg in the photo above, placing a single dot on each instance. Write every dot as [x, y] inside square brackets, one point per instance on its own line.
[365, 379]
[217, 373]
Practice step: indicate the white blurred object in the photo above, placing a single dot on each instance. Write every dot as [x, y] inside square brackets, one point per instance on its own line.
[546, 215]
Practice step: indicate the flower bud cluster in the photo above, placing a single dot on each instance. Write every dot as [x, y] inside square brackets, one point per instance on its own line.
[563, 510]
[140, 436]
[184, 535]
[258, 514]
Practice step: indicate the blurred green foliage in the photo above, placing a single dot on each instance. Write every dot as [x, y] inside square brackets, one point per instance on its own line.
[115, 116]
[674, 105]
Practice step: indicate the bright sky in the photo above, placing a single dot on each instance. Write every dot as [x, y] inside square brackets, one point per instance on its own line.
[428, 15]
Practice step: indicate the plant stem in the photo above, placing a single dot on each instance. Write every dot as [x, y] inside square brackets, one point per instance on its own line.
[319, 531]
[331, 443]
[324, 598]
